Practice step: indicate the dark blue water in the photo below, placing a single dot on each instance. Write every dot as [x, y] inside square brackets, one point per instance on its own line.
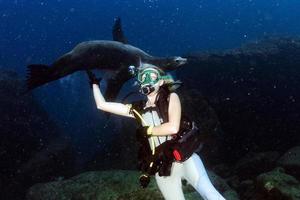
[39, 31]
[35, 31]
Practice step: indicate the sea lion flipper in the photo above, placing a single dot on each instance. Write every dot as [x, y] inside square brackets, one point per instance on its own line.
[37, 75]
[113, 88]
[117, 31]
[115, 83]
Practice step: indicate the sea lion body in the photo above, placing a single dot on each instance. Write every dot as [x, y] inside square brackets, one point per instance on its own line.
[115, 56]
[103, 54]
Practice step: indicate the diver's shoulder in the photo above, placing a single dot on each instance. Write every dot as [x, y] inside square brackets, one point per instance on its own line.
[174, 95]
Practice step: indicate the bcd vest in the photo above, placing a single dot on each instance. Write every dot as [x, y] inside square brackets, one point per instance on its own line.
[179, 148]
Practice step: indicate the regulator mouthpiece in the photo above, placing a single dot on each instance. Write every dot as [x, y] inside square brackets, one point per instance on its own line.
[147, 89]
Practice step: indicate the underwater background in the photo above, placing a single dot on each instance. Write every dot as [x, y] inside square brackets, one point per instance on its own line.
[242, 84]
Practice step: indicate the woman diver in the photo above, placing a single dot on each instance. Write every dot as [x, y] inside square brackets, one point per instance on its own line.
[164, 136]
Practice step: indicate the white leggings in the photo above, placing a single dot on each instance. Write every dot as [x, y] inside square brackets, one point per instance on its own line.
[194, 172]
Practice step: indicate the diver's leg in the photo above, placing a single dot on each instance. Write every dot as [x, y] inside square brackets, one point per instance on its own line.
[195, 174]
[170, 186]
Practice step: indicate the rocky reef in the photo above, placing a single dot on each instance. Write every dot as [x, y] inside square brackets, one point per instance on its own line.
[257, 176]
[31, 148]
[254, 91]
[114, 184]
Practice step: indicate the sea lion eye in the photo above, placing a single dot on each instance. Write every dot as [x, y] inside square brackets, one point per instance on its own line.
[177, 60]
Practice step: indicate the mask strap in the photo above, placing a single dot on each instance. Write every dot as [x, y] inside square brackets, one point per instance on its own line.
[166, 77]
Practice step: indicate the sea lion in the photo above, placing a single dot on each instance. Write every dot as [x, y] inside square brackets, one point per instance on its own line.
[115, 56]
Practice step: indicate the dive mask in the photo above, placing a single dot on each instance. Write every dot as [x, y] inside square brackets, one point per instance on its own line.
[149, 76]
[148, 80]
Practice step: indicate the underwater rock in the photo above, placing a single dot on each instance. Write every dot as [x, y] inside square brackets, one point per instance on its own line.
[25, 130]
[254, 164]
[276, 185]
[104, 185]
[246, 189]
[196, 107]
[255, 92]
[222, 186]
[290, 161]
[234, 181]
[96, 185]
[224, 170]
[122, 154]
[56, 159]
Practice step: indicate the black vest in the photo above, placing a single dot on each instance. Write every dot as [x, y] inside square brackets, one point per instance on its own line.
[163, 157]
[162, 104]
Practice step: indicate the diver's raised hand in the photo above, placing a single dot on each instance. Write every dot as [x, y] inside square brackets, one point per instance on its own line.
[93, 79]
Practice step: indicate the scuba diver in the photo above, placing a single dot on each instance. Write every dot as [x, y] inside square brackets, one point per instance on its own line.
[167, 139]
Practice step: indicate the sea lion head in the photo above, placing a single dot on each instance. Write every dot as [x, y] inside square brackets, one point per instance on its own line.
[172, 63]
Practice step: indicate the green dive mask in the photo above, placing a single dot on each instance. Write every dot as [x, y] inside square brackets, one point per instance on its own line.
[148, 79]
[149, 76]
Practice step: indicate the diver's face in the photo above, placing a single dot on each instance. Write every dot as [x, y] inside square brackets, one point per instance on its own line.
[155, 88]
[150, 81]
[148, 76]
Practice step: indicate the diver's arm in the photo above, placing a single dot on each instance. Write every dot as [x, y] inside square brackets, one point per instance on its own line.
[112, 107]
[172, 126]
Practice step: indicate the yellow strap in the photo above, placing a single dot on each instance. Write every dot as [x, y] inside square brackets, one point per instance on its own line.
[151, 164]
[149, 130]
[138, 114]
[153, 146]
[142, 119]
